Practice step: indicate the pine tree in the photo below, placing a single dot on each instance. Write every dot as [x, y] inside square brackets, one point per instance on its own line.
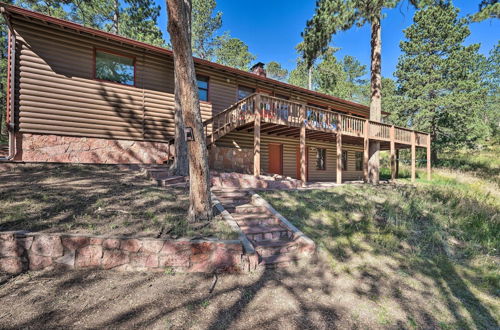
[233, 52]
[439, 79]
[204, 27]
[274, 70]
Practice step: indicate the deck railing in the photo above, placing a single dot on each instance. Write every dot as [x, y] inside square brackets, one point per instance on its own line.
[288, 113]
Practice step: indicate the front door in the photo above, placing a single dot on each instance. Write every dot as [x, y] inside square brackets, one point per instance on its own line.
[297, 173]
[275, 158]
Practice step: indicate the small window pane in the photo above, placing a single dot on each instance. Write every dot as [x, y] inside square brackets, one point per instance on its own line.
[202, 82]
[203, 94]
[114, 68]
[320, 159]
[244, 92]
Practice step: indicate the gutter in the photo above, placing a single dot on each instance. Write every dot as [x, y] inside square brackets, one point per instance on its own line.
[11, 81]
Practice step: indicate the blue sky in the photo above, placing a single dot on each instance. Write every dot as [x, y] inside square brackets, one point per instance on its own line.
[271, 29]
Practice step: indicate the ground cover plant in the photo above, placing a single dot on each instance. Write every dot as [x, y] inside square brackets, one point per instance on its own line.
[98, 200]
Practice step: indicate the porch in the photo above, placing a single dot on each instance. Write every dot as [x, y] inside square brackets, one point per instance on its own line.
[289, 119]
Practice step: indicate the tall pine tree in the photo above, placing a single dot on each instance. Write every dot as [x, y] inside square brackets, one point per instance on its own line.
[439, 79]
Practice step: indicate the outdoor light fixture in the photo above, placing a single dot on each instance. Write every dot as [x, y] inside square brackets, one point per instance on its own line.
[189, 134]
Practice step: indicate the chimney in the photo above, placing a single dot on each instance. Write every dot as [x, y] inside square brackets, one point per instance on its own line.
[258, 69]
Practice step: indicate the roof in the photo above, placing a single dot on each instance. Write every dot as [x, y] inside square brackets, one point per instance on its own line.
[9, 9]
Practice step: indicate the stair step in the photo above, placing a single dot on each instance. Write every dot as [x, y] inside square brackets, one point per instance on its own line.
[280, 260]
[262, 229]
[247, 208]
[226, 194]
[270, 248]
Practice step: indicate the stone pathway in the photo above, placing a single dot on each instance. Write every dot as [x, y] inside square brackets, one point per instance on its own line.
[276, 244]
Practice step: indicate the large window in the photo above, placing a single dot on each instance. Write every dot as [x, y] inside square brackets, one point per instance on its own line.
[115, 68]
[202, 87]
[359, 161]
[344, 160]
[320, 159]
[244, 91]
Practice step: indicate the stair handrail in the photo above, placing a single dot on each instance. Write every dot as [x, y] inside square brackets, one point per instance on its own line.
[230, 108]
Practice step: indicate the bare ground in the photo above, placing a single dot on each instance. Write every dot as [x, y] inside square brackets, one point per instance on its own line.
[98, 200]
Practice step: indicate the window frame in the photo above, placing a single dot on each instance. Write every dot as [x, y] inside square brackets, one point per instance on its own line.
[244, 86]
[207, 89]
[103, 50]
[359, 160]
[345, 159]
[318, 168]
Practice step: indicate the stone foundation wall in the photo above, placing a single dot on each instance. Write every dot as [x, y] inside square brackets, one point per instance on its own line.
[35, 251]
[246, 181]
[230, 159]
[70, 149]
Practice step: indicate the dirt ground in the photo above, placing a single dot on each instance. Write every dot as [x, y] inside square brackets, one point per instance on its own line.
[98, 200]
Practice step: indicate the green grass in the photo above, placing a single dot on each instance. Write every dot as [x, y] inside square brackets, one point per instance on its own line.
[446, 232]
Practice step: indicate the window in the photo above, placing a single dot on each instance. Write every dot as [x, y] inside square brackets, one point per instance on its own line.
[244, 92]
[202, 82]
[359, 161]
[320, 159]
[344, 160]
[115, 68]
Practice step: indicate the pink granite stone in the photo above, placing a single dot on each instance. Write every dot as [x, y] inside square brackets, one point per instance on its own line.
[114, 258]
[131, 245]
[11, 265]
[111, 243]
[38, 262]
[74, 242]
[88, 256]
[47, 245]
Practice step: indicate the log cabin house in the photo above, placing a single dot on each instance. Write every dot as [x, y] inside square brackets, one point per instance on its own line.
[81, 95]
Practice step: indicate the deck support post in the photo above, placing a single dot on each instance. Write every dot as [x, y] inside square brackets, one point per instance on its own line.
[302, 141]
[413, 156]
[393, 153]
[397, 163]
[366, 146]
[429, 157]
[256, 136]
[339, 150]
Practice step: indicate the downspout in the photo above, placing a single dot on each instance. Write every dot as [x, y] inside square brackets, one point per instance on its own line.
[11, 65]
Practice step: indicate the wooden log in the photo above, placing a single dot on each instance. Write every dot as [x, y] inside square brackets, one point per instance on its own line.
[256, 136]
[303, 160]
[339, 151]
[366, 145]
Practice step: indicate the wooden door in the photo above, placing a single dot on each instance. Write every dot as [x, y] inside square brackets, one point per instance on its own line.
[297, 173]
[275, 158]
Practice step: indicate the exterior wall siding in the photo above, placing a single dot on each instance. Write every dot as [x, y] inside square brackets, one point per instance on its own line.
[244, 140]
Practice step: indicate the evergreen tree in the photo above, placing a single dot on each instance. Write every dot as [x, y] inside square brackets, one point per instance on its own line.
[439, 80]
[274, 70]
[330, 76]
[299, 75]
[356, 85]
[204, 27]
[233, 52]
[487, 9]
[491, 80]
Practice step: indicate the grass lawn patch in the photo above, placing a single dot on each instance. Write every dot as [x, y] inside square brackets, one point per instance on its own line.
[425, 254]
[97, 200]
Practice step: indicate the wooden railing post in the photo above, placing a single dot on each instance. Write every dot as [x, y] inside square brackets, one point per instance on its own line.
[256, 136]
[302, 141]
[393, 153]
[429, 157]
[339, 151]
[366, 145]
[413, 156]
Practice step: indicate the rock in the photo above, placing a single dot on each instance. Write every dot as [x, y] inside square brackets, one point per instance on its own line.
[114, 258]
[47, 245]
[74, 242]
[68, 259]
[152, 246]
[178, 260]
[131, 245]
[111, 243]
[11, 265]
[9, 248]
[88, 256]
[38, 262]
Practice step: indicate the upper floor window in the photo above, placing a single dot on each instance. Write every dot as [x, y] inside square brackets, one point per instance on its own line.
[202, 82]
[344, 160]
[115, 68]
[244, 91]
[320, 159]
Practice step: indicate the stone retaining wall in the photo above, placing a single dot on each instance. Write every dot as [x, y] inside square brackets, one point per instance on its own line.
[230, 159]
[247, 181]
[70, 149]
[35, 251]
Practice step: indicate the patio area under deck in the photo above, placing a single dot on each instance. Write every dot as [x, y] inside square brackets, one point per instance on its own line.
[285, 118]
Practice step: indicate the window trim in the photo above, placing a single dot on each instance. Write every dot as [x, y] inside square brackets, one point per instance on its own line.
[208, 87]
[324, 162]
[134, 63]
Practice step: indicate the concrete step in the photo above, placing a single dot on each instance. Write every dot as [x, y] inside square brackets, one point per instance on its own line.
[266, 233]
[270, 248]
[172, 180]
[231, 193]
[246, 208]
[280, 260]
[251, 219]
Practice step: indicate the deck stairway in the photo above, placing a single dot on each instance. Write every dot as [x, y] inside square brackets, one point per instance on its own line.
[274, 242]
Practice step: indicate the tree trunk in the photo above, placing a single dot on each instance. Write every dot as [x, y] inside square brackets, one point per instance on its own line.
[375, 100]
[179, 28]
[180, 165]
[309, 78]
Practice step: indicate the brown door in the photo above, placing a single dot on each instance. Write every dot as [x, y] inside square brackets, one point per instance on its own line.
[297, 173]
[275, 158]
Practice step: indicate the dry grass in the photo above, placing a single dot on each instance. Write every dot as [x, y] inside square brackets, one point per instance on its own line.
[99, 200]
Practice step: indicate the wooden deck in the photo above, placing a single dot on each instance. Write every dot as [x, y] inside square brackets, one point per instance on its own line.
[293, 119]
